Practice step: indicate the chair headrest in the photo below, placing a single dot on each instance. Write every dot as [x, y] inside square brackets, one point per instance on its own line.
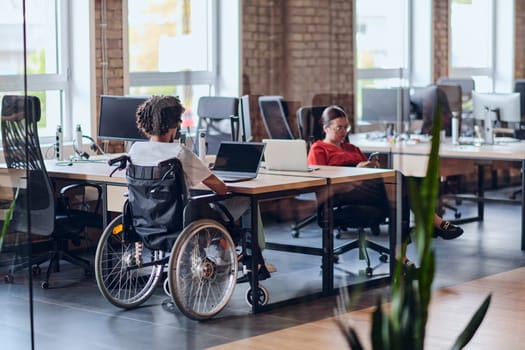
[14, 108]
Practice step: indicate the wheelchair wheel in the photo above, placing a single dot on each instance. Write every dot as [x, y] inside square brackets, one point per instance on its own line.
[119, 271]
[202, 271]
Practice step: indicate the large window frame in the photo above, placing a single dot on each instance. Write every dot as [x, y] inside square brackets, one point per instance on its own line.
[219, 79]
[416, 69]
[500, 70]
[58, 82]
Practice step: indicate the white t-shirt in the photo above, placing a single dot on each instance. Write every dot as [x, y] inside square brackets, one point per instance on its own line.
[151, 153]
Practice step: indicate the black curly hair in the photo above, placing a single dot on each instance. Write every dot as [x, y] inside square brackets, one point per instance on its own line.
[159, 114]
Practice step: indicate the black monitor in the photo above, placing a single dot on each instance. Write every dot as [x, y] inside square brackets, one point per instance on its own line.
[246, 127]
[274, 117]
[117, 118]
[389, 105]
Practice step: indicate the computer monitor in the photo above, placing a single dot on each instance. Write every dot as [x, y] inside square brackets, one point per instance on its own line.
[246, 127]
[506, 106]
[274, 117]
[390, 105]
[117, 118]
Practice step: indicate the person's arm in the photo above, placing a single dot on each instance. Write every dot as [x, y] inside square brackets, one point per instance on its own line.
[215, 184]
[317, 156]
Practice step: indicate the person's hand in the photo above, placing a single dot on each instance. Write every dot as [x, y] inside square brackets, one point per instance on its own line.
[374, 163]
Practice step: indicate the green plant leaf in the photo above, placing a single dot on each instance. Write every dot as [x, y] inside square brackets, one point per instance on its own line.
[473, 325]
[7, 220]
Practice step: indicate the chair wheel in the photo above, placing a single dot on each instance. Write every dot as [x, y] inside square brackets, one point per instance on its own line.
[336, 259]
[35, 270]
[262, 295]
[9, 278]
[44, 285]
[383, 258]
[457, 215]
[376, 230]
[369, 271]
[295, 233]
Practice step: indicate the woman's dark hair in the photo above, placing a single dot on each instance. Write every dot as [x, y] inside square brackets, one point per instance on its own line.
[330, 113]
[159, 114]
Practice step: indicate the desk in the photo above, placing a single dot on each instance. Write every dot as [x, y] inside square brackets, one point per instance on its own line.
[411, 159]
[338, 178]
[268, 185]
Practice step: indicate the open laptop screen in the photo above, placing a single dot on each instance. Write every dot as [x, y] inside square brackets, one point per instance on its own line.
[239, 156]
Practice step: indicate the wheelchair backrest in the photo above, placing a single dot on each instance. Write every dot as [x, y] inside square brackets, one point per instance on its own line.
[157, 196]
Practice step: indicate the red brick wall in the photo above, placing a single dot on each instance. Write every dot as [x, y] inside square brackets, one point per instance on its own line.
[519, 39]
[298, 49]
[440, 38]
[115, 55]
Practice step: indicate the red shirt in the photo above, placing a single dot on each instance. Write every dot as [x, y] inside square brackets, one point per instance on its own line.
[322, 153]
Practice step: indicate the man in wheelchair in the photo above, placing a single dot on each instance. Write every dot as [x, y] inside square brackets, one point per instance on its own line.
[202, 269]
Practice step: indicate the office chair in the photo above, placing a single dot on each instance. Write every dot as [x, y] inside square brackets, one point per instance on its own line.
[454, 97]
[308, 133]
[36, 212]
[343, 100]
[219, 117]
[274, 115]
[467, 86]
[345, 215]
[425, 102]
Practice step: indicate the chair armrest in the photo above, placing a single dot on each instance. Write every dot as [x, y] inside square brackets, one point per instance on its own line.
[64, 190]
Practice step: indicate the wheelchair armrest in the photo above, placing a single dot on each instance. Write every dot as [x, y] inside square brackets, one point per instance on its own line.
[209, 197]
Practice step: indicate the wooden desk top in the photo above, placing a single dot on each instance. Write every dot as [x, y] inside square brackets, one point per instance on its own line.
[337, 174]
[502, 151]
[264, 183]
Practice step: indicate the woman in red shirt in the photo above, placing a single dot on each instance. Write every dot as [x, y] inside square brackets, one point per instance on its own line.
[335, 150]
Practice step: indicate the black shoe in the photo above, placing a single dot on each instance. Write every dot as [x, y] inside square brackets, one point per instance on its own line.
[447, 231]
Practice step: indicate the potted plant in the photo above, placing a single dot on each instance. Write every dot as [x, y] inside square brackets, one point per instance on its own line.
[403, 324]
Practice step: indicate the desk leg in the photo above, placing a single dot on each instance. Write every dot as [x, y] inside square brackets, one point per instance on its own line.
[104, 205]
[254, 280]
[481, 193]
[523, 205]
[328, 241]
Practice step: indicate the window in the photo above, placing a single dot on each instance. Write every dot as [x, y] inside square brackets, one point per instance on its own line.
[481, 33]
[393, 45]
[471, 41]
[173, 49]
[46, 58]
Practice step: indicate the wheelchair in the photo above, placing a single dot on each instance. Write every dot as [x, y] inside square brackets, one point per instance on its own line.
[204, 259]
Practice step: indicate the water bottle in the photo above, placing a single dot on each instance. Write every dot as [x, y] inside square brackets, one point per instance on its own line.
[202, 145]
[78, 139]
[455, 128]
[59, 144]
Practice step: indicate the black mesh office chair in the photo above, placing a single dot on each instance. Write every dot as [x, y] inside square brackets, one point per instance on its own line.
[346, 215]
[219, 117]
[37, 212]
[467, 86]
[274, 114]
[425, 103]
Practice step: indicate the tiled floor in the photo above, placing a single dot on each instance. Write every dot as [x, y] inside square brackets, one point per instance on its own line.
[73, 314]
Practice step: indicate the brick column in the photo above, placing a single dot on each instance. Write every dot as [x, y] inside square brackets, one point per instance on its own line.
[519, 39]
[440, 38]
[114, 55]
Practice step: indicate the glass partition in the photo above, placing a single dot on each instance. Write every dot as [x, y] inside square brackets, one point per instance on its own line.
[16, 297]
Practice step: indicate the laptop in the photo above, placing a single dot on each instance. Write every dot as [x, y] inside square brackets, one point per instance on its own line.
[286, 155]
[238, 161]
